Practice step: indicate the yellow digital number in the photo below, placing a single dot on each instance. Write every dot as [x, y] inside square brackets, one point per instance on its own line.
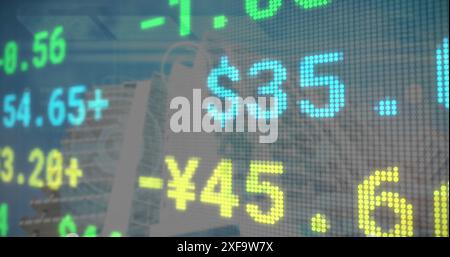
[276, 195]
[222, 176]
[369, 201]
[441, 211]
[7, 173]
[36, 156]
[54, 169]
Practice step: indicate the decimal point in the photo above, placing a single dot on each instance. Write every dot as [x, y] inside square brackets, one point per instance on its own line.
[24, 66]
[220, 22]
[20, 179]
[387, 107]
[151, 183]
[39, 121]
[320, 223]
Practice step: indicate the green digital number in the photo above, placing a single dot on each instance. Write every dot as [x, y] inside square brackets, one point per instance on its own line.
[53, 51]
[67, 226]
[40, 49]
[309, 4]
[4, 227]
[256, 13]
[185, 15]
[11, 55]
[57, 46]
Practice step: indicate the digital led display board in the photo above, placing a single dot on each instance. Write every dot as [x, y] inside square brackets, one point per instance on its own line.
[296, 118]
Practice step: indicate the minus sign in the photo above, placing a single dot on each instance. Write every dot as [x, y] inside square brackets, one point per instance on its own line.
[150, 183]
[152, 23]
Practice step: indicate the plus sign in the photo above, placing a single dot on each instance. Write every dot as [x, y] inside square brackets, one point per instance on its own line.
[98, 104]
[73, 172]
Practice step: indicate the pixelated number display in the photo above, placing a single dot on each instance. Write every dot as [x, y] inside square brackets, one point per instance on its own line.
[442, 74]
[219, 191]
[308, 80]
[441, 211]
[257, 11]
[48, 47]
[52, 164]
[53, 51]
[21, 113]
[64, 106]
[10, 57]
[4, 220]
[369, 199]
[68, 227]
[185, 15]
[255, 185]
[219, 188]
[222, 177]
